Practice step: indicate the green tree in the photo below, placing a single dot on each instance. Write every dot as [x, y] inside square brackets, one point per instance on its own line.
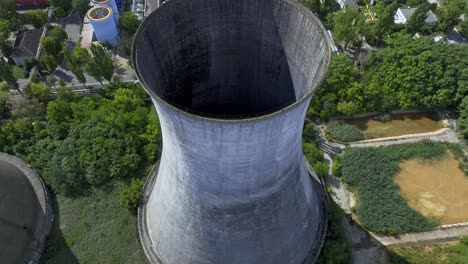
[81, 6]
[417, 22]
[346, 27]
[50, 45]
[130, 22]
[321, 169]
[462, 123]
[59, 111]
[6, 75]
[4, 86]
[65, 4]
[386, 22]
[8, 14]
[75, 67]
[49, 60]
[40, 91]
[449, 15]
[99, 64]
[51, 80]
[37, 17]
[6, 49]
[130, 195]
[58, 34]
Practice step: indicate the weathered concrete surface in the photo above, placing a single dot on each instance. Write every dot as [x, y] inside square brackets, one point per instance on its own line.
[231, 81]
[25, 212]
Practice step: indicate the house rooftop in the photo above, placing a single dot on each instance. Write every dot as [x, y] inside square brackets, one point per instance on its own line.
[409, 11]
[27, 43]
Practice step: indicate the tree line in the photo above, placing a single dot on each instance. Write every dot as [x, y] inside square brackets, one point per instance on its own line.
[86, 141]
[407, 74]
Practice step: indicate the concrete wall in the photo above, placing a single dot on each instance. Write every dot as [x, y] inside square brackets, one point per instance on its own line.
[25, 203]
[232, 188]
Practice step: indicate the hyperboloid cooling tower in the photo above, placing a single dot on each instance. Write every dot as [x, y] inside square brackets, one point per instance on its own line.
[231, 81]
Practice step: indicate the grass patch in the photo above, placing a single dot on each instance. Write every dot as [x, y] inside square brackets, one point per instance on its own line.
[4, 94]
[441, 254]
[370, 171]
[385, 125]
[344, 132]
[19, 72]
[93, 229]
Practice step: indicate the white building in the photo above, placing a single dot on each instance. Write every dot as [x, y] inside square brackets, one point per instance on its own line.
[403, 15]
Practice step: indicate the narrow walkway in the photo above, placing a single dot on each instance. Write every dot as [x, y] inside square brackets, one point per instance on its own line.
[441, 135]
[441, 234]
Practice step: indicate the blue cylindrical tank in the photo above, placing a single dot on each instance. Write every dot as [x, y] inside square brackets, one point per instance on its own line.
[110, 3]
[103, 24]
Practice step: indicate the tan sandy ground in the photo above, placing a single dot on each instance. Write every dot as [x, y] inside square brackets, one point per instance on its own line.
[400, 125]
[437, 189]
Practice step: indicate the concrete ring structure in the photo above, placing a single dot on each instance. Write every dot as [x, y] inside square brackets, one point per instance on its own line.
[99, 13]
[25, 212]
[231, 82]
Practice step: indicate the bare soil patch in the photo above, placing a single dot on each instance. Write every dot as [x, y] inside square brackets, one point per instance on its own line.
[437, 189]
[398, 126]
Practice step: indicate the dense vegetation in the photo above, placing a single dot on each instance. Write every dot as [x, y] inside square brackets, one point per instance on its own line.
[425, 254]
[337, 249]
[52, 48]
[311, 150]
[344, 132]
[407, 74]
[86, 141]
[370, 172]
[88, 149]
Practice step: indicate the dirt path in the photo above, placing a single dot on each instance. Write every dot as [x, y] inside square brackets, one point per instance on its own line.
[441, 135]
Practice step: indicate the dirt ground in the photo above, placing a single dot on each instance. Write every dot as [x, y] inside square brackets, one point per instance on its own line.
[399, 125]
[437, 189]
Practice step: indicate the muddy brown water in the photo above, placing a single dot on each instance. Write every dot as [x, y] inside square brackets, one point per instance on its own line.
[437, 189]
[398, 126]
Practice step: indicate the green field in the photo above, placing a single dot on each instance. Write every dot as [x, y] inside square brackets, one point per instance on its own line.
[370, 171]
[93, 229]
[430, 254]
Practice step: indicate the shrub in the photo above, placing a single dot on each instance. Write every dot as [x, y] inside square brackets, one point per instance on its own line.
[337, 166]
[130, 22]
[344, 132]
[321, 168]
[370, 172]
[309, 133]
[464, 240]
[59, 12]
[37, 17]
[337, 248]
[383, 117]
[130, 195]
[312, 153]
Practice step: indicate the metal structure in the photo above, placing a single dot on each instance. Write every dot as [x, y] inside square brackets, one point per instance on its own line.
[110, 3]
[231, 82]
[103, 24]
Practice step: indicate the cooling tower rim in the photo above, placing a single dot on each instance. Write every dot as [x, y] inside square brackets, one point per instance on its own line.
[232, 118]
[100, 1]
[88, 14]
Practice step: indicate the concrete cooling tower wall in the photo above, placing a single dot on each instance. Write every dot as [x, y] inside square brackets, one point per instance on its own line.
[231, 82]
[25, 212]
